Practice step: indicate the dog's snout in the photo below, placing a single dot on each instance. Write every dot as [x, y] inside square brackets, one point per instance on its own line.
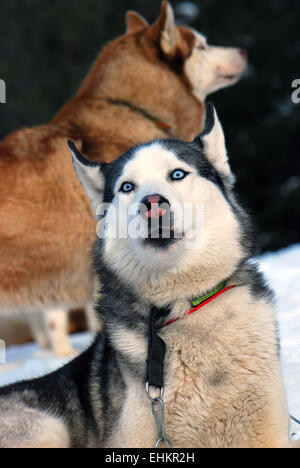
[154, 206]
[154, 199]
[244, 53]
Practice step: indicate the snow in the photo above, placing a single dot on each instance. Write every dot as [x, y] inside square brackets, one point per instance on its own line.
[28, 361]
[282, 270]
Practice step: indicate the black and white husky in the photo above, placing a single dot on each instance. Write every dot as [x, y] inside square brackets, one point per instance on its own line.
[174, 245]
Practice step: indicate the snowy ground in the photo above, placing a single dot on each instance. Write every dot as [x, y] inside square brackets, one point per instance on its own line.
[283, 272]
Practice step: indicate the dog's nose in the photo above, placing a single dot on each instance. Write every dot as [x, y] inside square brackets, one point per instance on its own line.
[244, 53]
[154, 206]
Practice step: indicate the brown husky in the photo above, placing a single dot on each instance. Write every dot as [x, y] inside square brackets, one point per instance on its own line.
[149, 83]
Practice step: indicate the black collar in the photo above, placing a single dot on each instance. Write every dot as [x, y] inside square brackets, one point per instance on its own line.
[163, 126]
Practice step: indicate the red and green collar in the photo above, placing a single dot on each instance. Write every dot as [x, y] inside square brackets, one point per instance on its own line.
[156, 345]
[200, 302]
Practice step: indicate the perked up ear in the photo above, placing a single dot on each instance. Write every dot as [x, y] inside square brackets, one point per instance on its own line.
[135, 22]
[212, 140]
[89, 174]
[164, 30]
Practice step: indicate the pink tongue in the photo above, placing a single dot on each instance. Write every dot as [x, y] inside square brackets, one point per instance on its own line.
[155, 212]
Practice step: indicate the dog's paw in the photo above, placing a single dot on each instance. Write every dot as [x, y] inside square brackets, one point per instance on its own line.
[65, 352]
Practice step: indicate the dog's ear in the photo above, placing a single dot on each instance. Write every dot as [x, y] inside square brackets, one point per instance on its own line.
[90, 175]
[164, 30]
[212, 140]
[135, 22]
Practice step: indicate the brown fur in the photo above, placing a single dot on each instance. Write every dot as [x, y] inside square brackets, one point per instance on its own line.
[47, 227]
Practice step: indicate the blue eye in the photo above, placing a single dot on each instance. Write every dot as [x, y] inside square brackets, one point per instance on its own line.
[178, 174]
[127, 187]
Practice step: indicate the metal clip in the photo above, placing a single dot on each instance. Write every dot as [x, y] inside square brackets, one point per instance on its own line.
[149, 396]
[158, 411]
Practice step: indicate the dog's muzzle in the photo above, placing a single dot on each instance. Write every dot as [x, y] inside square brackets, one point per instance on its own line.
[155, 210]
[154, 207]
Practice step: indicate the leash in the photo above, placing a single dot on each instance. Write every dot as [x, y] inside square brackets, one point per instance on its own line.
[156, 350]
[292, 418]
[156, 358]
[295, 420]
[155, 374]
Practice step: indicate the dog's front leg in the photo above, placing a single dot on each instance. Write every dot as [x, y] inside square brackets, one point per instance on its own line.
[56, 330]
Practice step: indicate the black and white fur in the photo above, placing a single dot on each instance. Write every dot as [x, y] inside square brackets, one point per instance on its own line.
[223, 385]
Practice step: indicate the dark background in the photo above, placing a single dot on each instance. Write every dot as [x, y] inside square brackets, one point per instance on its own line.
[48, 46]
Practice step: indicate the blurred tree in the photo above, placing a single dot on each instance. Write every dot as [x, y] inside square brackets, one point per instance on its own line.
[47, 47]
